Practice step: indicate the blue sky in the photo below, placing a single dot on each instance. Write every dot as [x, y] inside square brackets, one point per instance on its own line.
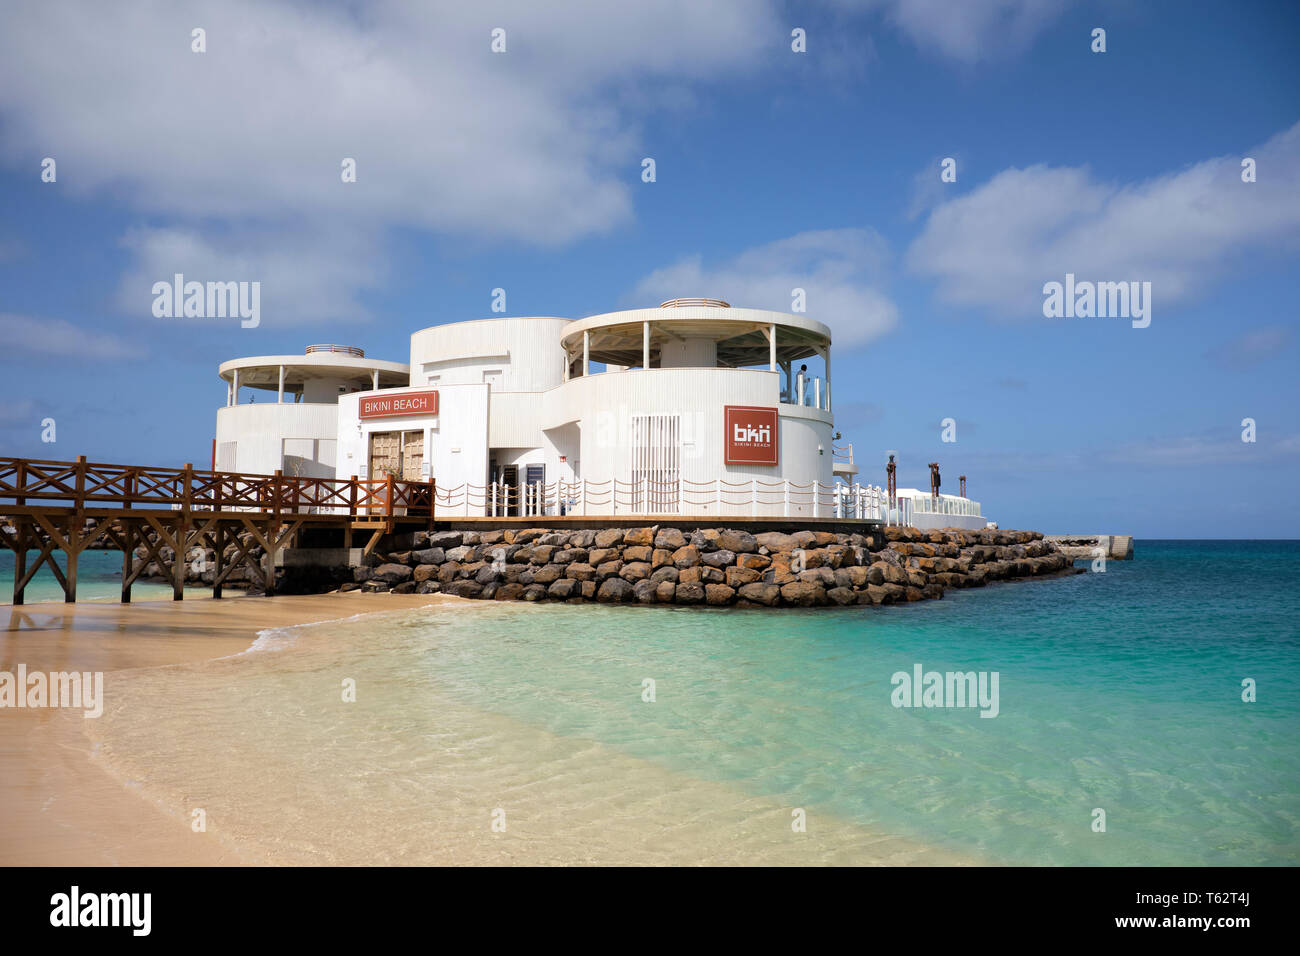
[775, 169]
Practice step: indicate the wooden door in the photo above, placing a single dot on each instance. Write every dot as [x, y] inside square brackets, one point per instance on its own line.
[412, 455]
[385, 453]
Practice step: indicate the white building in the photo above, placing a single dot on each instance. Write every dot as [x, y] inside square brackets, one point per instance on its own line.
[295, 428]
[699, 409]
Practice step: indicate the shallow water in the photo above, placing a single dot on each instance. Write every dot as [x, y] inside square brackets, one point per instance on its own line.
[1120, 691]
[99, 578]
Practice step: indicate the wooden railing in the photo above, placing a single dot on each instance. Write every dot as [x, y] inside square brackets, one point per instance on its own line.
[81, 484]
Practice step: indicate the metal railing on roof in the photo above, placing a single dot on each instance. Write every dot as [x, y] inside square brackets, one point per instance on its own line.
[340, 349]
[688, 303]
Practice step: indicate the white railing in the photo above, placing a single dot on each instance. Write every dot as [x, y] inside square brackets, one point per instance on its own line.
[753, 497]
[807, 392]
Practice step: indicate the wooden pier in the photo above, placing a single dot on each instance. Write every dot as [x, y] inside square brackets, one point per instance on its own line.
[70, 506]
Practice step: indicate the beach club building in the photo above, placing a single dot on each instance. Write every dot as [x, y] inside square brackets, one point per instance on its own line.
[692, 408]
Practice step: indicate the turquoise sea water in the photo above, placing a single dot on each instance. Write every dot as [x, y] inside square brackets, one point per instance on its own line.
[1120, 691]
[99, 578]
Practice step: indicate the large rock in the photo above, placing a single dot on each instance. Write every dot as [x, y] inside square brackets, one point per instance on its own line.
[765, 594]
[508, 592]
[669, 539]
[465, 589]
[776, 541]
[614, 590]
[609, 537]
[670, 574]
[444, 539]
[842, 596]
[644, 591]
[424, 572]
[803, 594]
[548, 574]
[429, 556]
[758, 562]
[580, 572]
[738, 577]
[562, 589]
[639, 536]
[741, 542]
[690, 593]
[687, 556]
[718, 594]
[391, 574]
[635, 571]
[719, 559]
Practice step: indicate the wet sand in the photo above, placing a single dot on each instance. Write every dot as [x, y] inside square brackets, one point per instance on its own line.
[58, 806]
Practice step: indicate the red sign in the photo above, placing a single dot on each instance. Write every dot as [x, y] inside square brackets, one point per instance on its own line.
[400, 403]
[751, 435]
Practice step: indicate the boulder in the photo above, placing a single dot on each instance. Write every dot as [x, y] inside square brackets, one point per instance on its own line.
[614, 590]
[609, 537]
[465, 589]
[635, 571]
[803, 594]
[580, 572]
[718, 594]
[508, 592]
[562, 588]
[719, 559]
[639, 536]
[765, 594]
[690, 594]
[669, 539]
[842, 596]
[741, 542]
[430, 556]
[686, 557]
[391, 574]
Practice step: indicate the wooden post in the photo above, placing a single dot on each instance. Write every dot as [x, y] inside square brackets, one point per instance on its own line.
[183, 533]
[433, 497]
[220, 559]
[19, 483]
[20, 552]
[71, 547]
[128, 560]
[273, 532]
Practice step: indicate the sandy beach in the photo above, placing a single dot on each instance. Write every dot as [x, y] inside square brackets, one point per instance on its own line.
[58, 806]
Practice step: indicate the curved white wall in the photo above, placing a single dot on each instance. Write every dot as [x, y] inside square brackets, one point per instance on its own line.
[256, 438]
[526, 351]
[604, 404]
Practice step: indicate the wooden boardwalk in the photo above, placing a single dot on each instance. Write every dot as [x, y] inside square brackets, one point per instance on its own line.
[70, 506]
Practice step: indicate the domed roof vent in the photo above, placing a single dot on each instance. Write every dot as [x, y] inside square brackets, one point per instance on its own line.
[689, 303]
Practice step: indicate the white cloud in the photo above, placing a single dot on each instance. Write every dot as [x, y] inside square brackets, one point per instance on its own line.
[447, 135]
[29, 335]
[839, 269]
[969, 31]
[305, 276]
[996, 246]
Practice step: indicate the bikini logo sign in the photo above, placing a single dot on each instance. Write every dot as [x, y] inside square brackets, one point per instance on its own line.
[751, 435]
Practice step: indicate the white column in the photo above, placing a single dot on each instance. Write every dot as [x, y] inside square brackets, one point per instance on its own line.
[374, 379]
[567, 361]
[645, 344]
[279, 394]
[234, 389]
[827, 353]
[771, 348]
[586, 353]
